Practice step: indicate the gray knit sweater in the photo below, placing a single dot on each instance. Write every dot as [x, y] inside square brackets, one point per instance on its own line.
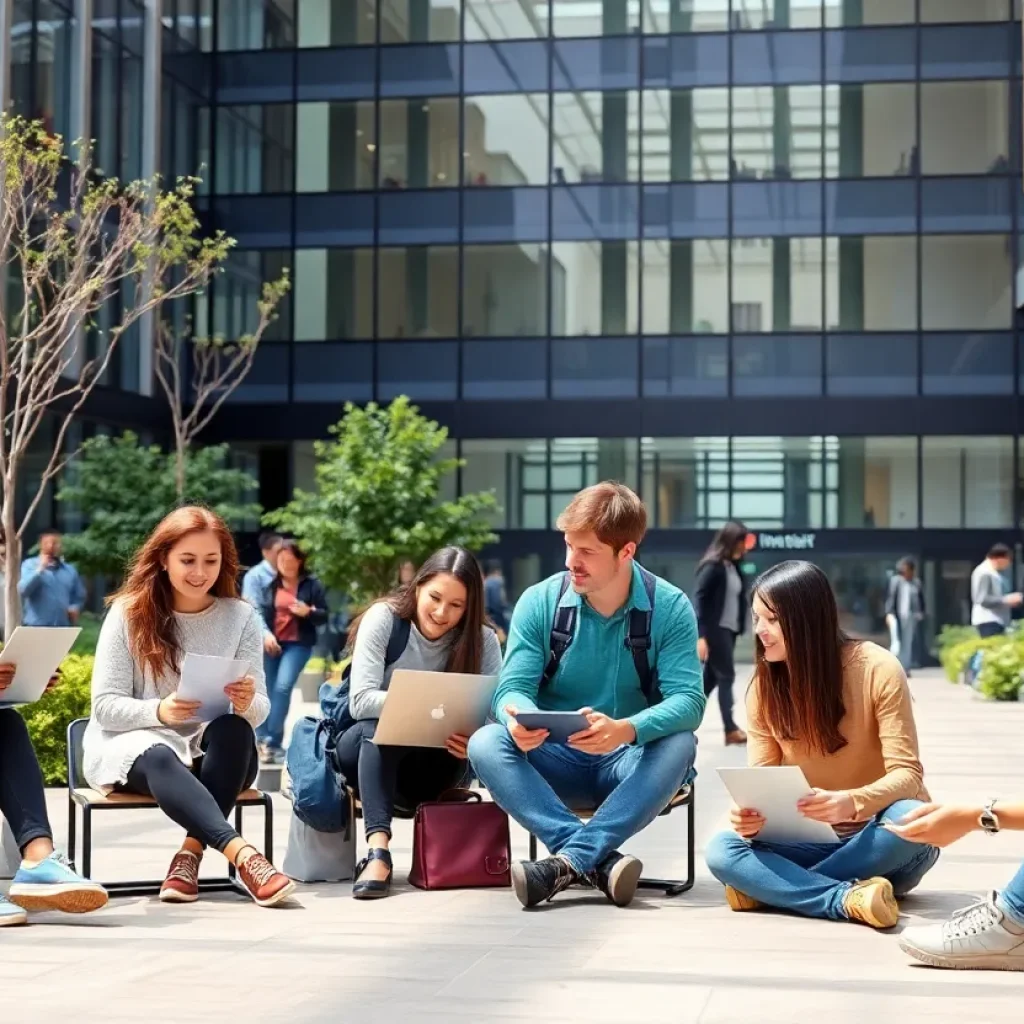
[124, 722]
[369, 679]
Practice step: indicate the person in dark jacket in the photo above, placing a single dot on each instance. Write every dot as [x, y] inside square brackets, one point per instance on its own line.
[904, 610]
[295, 604]
[720, 601]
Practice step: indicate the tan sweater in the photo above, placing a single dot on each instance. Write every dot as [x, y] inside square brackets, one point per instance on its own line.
[880, 763]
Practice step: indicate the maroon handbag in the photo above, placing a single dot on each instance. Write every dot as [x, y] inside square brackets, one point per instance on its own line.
[460, 841]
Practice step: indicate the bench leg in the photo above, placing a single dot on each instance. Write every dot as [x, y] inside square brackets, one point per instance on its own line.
[533, 847]
[87, 842]
[671, 887]
[72, 830]
[268, 827]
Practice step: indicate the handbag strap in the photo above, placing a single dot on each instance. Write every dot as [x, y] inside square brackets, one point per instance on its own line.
[459, 795]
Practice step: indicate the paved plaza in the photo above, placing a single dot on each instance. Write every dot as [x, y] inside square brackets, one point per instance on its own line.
[476, 956]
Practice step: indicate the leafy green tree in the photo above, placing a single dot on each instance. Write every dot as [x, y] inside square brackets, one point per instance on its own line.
[378, 500]
[123, 489]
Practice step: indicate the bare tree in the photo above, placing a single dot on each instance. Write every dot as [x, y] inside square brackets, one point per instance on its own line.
[217, 368]
[70, 241]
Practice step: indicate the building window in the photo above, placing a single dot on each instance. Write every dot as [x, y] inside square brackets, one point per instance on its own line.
[419, 143]
[336, 146]
[967, 481]
[685, 481]
[333, 294]
[337, 22]
[419, 292]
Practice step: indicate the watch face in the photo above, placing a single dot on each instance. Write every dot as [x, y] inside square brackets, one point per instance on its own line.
[989, 822]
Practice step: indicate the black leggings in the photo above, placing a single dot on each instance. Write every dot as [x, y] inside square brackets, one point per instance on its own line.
[200, 798]
[720, 671]
[382, 775]
[22, 798]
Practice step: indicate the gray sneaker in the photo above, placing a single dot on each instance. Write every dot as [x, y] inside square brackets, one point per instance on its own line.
[979, 937]
[617, 877]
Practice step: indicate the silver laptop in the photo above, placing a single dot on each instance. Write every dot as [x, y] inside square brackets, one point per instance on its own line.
[424, 708]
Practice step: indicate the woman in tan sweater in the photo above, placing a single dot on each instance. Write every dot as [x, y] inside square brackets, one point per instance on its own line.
[841, 710]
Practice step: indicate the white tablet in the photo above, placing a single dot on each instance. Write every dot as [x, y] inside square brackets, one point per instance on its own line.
[774, 792]
[37, 651]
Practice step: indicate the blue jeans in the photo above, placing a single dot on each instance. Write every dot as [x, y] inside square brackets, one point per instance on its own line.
[813, 878]
[1011, 899]
[282, 673]
[629, 787]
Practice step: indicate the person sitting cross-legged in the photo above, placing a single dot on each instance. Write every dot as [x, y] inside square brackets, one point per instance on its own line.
[643, 704]
[989, 934]
[841, 710]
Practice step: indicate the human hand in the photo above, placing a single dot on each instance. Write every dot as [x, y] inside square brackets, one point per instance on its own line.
[456, 745]
[174, 711]
[73, 614]
[702, 649]
[825, 805]
[55, 681]
[936, 824]
[7, 671]
[525, 739]
[604, 735]
[1013, 600]
[300, 609]
[746, 822]
[271, 646]
[241, 693]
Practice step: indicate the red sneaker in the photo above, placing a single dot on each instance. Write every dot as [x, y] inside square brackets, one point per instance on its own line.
[182, 882]
[265, 883]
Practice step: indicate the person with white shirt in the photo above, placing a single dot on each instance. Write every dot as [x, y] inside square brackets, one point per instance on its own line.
[991, 605]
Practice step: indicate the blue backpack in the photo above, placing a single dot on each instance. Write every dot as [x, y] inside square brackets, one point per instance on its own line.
[318, 784]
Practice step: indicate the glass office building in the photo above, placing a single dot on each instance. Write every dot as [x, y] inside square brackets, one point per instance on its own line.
[757, 258]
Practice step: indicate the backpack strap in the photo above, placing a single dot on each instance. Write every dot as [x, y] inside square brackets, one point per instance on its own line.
[397, 641]
[638, 640]
[563, 628]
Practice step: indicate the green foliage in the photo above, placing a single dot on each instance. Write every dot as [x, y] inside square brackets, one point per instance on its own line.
[378, 500]
[48, 719]
[90, 625]
[1001, 668]
[949, 636]
[123, 489]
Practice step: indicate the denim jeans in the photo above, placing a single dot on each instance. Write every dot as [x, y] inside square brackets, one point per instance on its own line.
[282, 673]
[813, 878]
[1011, 899]
[630, 787]
[22, 798]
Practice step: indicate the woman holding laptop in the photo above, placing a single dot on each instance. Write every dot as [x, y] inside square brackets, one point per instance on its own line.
[181, 597]
[841, 710]
[443, 607]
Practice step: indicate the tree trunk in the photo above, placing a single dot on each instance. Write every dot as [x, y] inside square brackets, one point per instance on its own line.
[12, 599]
[179, 469]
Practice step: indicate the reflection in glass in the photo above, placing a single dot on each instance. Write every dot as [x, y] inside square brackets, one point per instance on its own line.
[506, 140]
[255, 24]
[877, 479]
[337, 22]
[957, 10]
[966, 282]
[504, 291]
[967, 481]
[596, 136]
[784, 481]
[594, 288]
[419, 143]
[691, 366]
[506, 19]
[578, 462]
[967, 364]
[237, 291]
[53, 47]
[105, 104]
[596, 17]
[777, 132]
[842, 13]
[418, 289]
[130, 162]
[871, 131]
[516, 470]
[871, 364]
[336, 146]
[686, 286]
[685, 481]
[777, 284]
[964, 127]
[419, 21]
[254, 148]
[776, 14]
[686, 16]
[333, 294]
[685, 135]
[871, 283]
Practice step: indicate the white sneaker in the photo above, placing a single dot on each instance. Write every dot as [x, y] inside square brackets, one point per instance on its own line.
[979, 937]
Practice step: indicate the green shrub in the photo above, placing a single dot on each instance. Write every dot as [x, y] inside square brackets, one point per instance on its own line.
[1001, 668]
[48, 719]
[950, 636]
[86, 642]
[318, 665]
[955, 657]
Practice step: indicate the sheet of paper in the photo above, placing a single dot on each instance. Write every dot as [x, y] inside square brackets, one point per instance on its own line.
[37, 651]
[203, 678]
[774, 792]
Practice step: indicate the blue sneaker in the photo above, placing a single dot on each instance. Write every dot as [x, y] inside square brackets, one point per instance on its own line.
[10, 914]
[52, 885]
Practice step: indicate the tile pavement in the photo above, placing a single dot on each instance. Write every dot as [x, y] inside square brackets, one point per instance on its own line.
[476, 956]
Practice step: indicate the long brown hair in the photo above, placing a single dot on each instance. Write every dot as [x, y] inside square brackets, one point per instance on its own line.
[467, 636]
[801, 698]
[149, 597]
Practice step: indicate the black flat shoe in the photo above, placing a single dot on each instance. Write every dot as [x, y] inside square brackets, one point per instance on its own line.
[373, 889]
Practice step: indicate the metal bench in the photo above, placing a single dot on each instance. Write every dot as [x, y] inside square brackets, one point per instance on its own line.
[80, 794]
[684, 798]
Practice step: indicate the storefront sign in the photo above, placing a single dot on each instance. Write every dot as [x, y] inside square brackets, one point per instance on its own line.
[785, 541]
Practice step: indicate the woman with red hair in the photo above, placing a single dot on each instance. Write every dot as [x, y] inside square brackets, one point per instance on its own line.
[181, 596]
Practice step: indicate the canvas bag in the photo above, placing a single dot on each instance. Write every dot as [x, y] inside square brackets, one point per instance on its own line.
[320, 856]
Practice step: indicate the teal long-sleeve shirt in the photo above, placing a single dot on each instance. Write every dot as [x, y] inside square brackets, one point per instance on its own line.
[597, 670]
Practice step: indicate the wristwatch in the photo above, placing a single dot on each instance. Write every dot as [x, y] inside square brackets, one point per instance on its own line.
[988, 820]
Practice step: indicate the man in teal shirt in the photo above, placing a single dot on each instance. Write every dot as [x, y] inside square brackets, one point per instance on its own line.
[635, 755]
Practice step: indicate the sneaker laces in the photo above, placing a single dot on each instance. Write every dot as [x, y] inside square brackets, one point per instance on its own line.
[60, 859]
[567, 876]
[972, 920]
[259, 869]
[184, 867]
